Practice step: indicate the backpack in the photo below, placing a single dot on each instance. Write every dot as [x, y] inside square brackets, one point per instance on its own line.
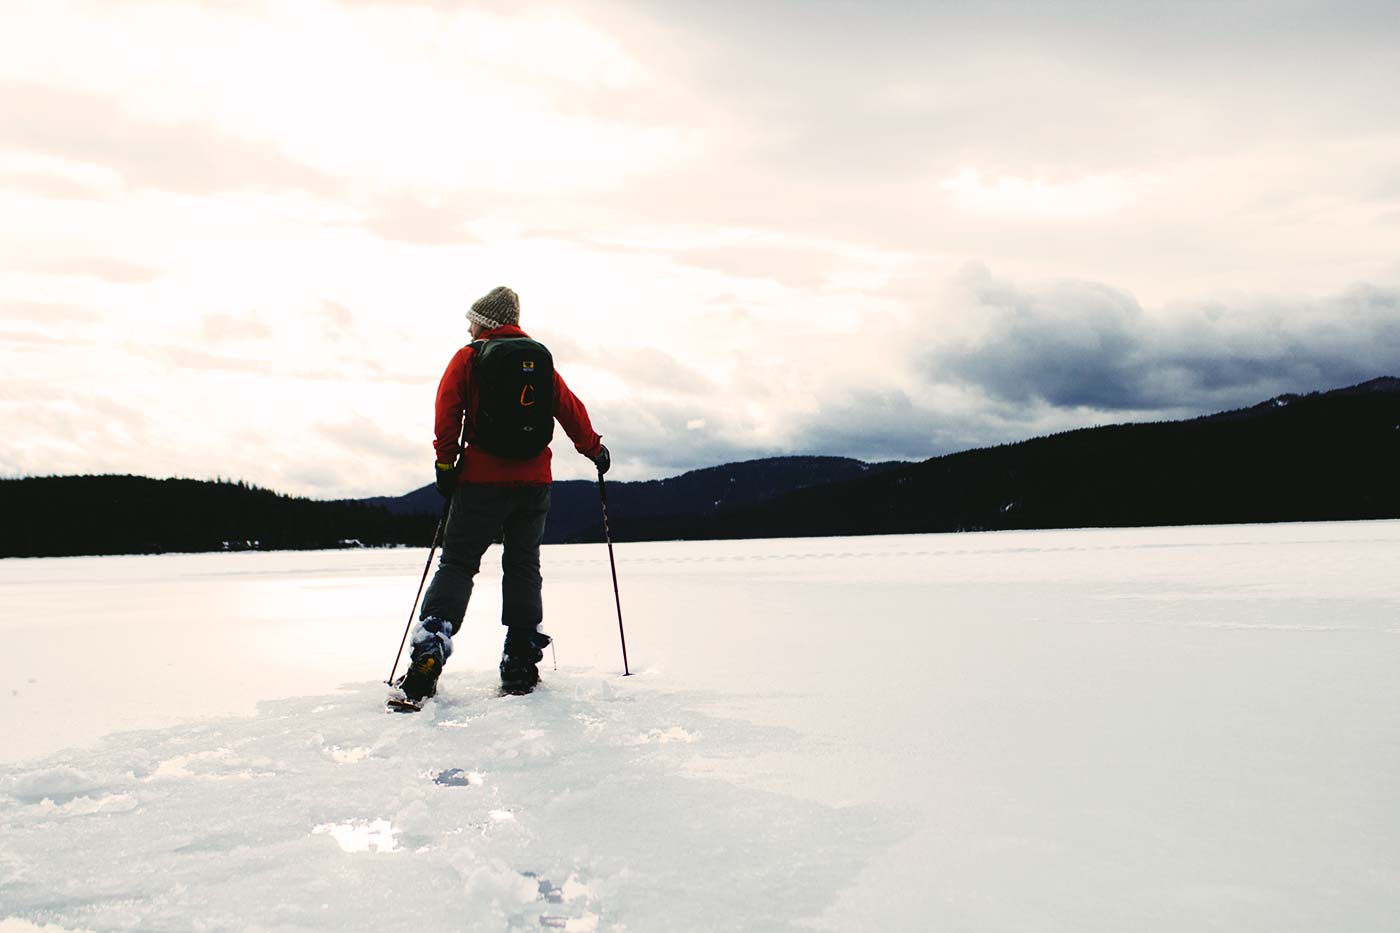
[515, 397]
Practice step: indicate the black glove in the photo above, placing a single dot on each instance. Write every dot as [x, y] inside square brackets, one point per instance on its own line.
[446, 480]
[603, 459]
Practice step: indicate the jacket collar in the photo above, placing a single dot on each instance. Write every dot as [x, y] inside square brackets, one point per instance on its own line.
[505, 330]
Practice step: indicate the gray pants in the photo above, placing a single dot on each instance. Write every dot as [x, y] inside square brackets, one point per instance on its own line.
[477, 517]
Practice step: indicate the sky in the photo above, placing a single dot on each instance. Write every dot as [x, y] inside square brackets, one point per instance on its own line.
[238, 239]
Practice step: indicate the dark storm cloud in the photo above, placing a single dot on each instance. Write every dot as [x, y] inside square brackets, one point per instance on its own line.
[173, 156]
[1087, 345]
[656, 437]
[877, 425]
[891, 424]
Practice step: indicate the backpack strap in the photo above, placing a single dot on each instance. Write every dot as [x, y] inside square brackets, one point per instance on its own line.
[479, 346]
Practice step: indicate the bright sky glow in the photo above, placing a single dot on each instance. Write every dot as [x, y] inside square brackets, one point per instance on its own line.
[238, 239]
[1009, 196]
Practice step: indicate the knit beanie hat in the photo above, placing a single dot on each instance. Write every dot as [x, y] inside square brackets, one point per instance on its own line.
[498, 306]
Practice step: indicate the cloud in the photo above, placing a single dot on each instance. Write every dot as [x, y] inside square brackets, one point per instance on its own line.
[1091, 346]
[47, 312]
[648, 371]
[645, 371]
[29, 338]
[359, 437]
[652, 436]
[69, 432]
[337, 321]
[799, 268]
[425, 222]
[764, 200]
[107, 268]
[222, 328]
[179, 156]
[53, 186]
[288, 367]
[991, 360]
[888, 424]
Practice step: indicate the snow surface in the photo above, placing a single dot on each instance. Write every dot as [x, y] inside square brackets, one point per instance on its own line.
[1151, 729]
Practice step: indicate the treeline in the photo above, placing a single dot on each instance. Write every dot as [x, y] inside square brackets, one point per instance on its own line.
[575, 513]
[1333, 455]
[54, 516]
[1325, 456]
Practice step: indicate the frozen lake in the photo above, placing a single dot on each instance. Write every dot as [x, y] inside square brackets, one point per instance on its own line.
[1147, 729]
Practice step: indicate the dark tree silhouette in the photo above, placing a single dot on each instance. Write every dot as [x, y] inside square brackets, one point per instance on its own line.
[1333, 455]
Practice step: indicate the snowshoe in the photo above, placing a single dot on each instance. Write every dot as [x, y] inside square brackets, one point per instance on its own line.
[397, 704]
[518, 675]
[420, 682]
[432, 646]
[523, 652]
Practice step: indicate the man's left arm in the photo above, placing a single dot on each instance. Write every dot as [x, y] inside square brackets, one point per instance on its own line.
[450, 408]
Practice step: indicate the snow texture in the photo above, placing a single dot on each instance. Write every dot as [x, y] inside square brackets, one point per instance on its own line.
[1153, 729]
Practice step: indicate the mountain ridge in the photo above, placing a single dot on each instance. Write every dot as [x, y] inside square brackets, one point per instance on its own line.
[1321, 455]
[1324, 455]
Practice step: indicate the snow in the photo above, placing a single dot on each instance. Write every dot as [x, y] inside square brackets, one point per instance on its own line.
[1146, 729]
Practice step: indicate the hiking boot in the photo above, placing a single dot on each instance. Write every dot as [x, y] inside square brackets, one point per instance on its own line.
[520, 659]
[420, 682]
[432, 646]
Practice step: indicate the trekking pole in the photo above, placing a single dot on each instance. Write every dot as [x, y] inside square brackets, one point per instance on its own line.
[603, 494]
[437, 536]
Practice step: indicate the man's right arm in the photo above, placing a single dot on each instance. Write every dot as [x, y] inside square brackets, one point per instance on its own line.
[574, 418]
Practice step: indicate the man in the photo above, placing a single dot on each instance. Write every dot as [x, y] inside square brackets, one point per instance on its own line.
[501, 395]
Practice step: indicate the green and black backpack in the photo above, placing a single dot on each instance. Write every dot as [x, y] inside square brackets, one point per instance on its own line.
[515, 397]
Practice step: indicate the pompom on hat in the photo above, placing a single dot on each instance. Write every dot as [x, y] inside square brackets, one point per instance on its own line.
[497, 307]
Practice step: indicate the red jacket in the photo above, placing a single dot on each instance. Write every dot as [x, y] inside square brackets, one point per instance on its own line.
[456, 398]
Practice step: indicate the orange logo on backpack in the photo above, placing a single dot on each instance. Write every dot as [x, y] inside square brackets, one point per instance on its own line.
[527, 395]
